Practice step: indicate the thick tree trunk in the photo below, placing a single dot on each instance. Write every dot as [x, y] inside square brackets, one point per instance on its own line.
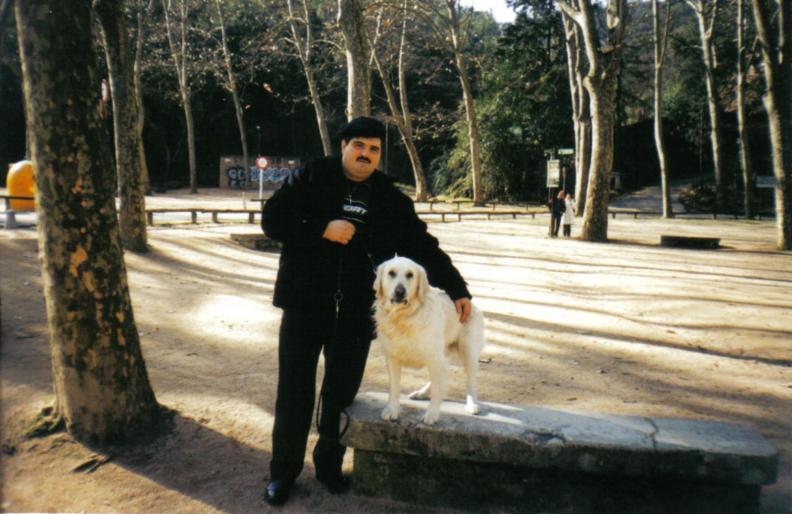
[100, 378]
[660, 40]
[353, 27]
[595, 218]
[742, 130]
[132, 193]
[467, 98]
[232, 87]
[601, 83]
[305, 50]
[776, 49]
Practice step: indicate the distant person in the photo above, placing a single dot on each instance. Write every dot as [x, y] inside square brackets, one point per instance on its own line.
[557, 207]
[569, 214]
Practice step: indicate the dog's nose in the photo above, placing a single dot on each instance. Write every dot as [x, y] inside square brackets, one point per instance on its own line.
[399, 292]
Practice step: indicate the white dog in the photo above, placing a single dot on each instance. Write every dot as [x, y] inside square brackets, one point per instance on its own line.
[418, 327]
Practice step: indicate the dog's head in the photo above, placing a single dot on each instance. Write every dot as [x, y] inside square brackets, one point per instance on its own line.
[400, 282]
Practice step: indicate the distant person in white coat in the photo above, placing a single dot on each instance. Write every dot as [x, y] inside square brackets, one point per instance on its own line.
[569, 215]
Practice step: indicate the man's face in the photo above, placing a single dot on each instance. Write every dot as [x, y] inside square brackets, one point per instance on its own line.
[360, 157]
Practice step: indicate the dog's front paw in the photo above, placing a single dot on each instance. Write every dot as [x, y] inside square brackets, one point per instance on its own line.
[390, 412]
[431, 416]
[472, 408]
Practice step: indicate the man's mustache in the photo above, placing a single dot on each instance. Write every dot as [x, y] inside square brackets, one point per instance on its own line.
[364, 159]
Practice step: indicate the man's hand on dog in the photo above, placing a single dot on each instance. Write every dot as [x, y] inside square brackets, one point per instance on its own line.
[463, 308]
[339, 231]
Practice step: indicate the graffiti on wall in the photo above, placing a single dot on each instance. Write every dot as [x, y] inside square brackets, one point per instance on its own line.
[239, 178]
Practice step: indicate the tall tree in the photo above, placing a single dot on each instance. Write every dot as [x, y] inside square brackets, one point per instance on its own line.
[180, 53]
[706, 14]
[400, 111]
[581, 113]
[600, 82]
[304, 45]
[742, 129]
[231, 85]
[455, 31]
[775, 44]
[101, 384]
[660, 40]
[120, 63]
[141, 14]
[352, 22]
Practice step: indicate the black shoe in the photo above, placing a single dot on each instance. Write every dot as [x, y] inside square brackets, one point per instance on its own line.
[335, 483]
[277, 492]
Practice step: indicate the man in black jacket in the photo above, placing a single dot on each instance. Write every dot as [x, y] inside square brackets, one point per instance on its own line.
[337, 218]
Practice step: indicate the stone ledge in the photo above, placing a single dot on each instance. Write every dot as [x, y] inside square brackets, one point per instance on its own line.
[565, 451]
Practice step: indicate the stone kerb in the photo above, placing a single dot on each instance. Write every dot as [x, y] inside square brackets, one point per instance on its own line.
[526, 458]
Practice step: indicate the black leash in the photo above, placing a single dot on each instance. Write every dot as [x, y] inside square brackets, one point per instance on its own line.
[338, 298]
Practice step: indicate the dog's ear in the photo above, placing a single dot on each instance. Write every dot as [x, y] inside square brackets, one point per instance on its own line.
[378, 282]
[422, 283]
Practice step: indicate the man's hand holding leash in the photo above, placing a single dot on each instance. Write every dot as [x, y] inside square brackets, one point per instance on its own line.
[339, 231]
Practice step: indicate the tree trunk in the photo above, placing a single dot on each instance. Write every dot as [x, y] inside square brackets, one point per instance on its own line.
[99, 375]
[132, 193]
[706, 16]
[467, 98]
[421, 190]
[776, 49]
[179, 55]
[660, 40]
[601, 83]
[595, 218]
[400, 112]
[232, 87]
[745, 160]
[305, 50]
[139, 97]
[353, 27]
[581, 119]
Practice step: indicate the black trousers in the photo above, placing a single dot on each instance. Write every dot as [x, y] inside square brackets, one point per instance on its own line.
[555, 224]
[304, 333]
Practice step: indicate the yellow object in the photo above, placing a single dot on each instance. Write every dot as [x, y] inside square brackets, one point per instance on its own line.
[20, 182]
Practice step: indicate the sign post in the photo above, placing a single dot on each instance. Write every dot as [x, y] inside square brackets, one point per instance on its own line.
[261, 163]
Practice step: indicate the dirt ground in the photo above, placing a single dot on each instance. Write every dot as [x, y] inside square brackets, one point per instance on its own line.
[625, 327]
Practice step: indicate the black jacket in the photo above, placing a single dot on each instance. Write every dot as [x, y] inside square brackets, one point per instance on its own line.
[297, 215]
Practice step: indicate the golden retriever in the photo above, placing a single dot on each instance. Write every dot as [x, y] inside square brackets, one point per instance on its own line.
[418, 327]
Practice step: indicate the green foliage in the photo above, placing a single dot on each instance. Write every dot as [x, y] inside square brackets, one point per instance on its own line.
[522, 111]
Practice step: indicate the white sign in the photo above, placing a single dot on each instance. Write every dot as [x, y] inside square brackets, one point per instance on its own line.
[553, 172]
[262, 163]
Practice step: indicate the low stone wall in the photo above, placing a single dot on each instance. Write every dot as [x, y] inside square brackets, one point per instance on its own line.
[532, 459]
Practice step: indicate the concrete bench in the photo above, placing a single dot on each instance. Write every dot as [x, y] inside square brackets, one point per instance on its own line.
[257, 241]
[533, 459]
[480, 213]
[674, 241]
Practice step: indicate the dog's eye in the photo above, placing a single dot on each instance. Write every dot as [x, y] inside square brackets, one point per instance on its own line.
[409, 274]
[391, 273]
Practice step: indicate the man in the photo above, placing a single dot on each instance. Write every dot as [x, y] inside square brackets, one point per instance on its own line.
[337, 218]
[557, 207]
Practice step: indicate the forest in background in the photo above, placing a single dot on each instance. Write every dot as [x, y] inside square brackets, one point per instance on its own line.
[518, 75]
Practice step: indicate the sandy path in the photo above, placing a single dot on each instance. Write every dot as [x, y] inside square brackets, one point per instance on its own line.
[625, 327]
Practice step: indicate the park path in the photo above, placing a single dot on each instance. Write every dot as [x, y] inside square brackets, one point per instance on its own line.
[624, 327]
